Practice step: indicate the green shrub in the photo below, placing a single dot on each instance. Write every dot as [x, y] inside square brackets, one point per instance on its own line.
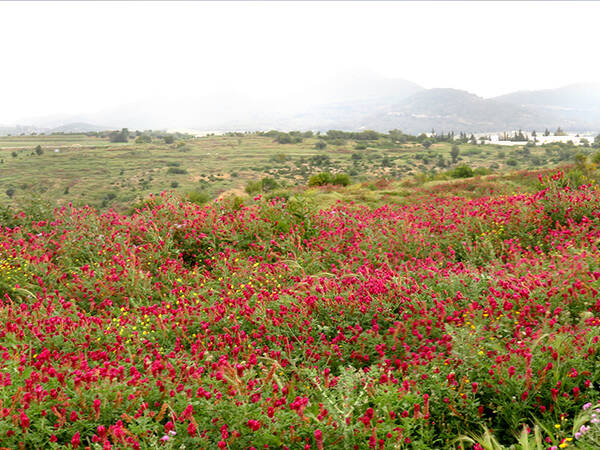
[176, 171]
[198, 197]
[268, 184]
[463, 171]
[324, 178]
[341, 179]
[320, 179]
[253, 187]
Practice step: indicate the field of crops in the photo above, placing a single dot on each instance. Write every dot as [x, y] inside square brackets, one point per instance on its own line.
[445, 322]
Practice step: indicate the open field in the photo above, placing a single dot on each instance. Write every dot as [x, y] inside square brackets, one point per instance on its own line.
[415, 307]
[94, 171]
[292, 324]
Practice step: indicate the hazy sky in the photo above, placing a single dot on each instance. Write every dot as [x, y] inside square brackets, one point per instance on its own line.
[80, 57]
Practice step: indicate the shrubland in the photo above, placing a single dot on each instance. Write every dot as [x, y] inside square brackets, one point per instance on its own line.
[417, 314]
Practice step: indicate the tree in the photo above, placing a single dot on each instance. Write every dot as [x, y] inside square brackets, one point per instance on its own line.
[320, 145]
[284, 138]
[10, 192]
[119, 136]
[427, 143]
[143, 139]
[169, 139]
[39, 151]
[454, 153]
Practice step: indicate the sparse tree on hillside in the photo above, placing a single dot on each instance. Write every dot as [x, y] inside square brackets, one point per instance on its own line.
[119, 136]
[559, 132]
[39, 151]
[454, 153]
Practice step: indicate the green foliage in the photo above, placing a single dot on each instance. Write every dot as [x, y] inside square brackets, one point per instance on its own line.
[454, 153]
[176, 171]
[324, 178]
[198, 197]
[253, 187]
[462, 171]
[119, 136]
[266, 184]
[143, 139]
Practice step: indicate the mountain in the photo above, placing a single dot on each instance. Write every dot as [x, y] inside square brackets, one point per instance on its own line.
[576, 104]
[15, 130]
[78, 127]
[453, 109]
[353, 101]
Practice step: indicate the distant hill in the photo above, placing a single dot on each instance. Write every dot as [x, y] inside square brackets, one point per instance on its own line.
[353, 101]
[16, 130]
[577, 104]
[452, 109]
[78, 127]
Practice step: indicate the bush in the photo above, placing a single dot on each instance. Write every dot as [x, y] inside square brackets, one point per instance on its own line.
[253, 187]
[176, 171]
[320, 145]
[324, 178]
[341, 179]
[198, 197]
[169, 139]
[143, 139]
[174, 184]
[268, 184]
[463, 171]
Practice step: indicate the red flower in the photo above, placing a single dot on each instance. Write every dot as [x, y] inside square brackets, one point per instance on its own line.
[76, 440]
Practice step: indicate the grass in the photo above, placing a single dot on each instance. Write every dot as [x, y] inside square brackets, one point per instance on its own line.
[94, 171]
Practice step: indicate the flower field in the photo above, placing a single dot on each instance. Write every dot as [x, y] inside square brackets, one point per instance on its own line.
[445, 322]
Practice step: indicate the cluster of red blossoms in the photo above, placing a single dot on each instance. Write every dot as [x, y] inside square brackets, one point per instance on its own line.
[277, 325]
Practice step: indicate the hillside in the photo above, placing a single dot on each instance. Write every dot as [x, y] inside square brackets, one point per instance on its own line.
[269, 323]
[94, 171]
[351, 102]
[576, 105]
[452, 109]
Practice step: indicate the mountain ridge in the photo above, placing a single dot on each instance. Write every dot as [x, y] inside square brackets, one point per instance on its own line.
[358, 102]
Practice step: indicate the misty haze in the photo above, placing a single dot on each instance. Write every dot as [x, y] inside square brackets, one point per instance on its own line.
[299, 225]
